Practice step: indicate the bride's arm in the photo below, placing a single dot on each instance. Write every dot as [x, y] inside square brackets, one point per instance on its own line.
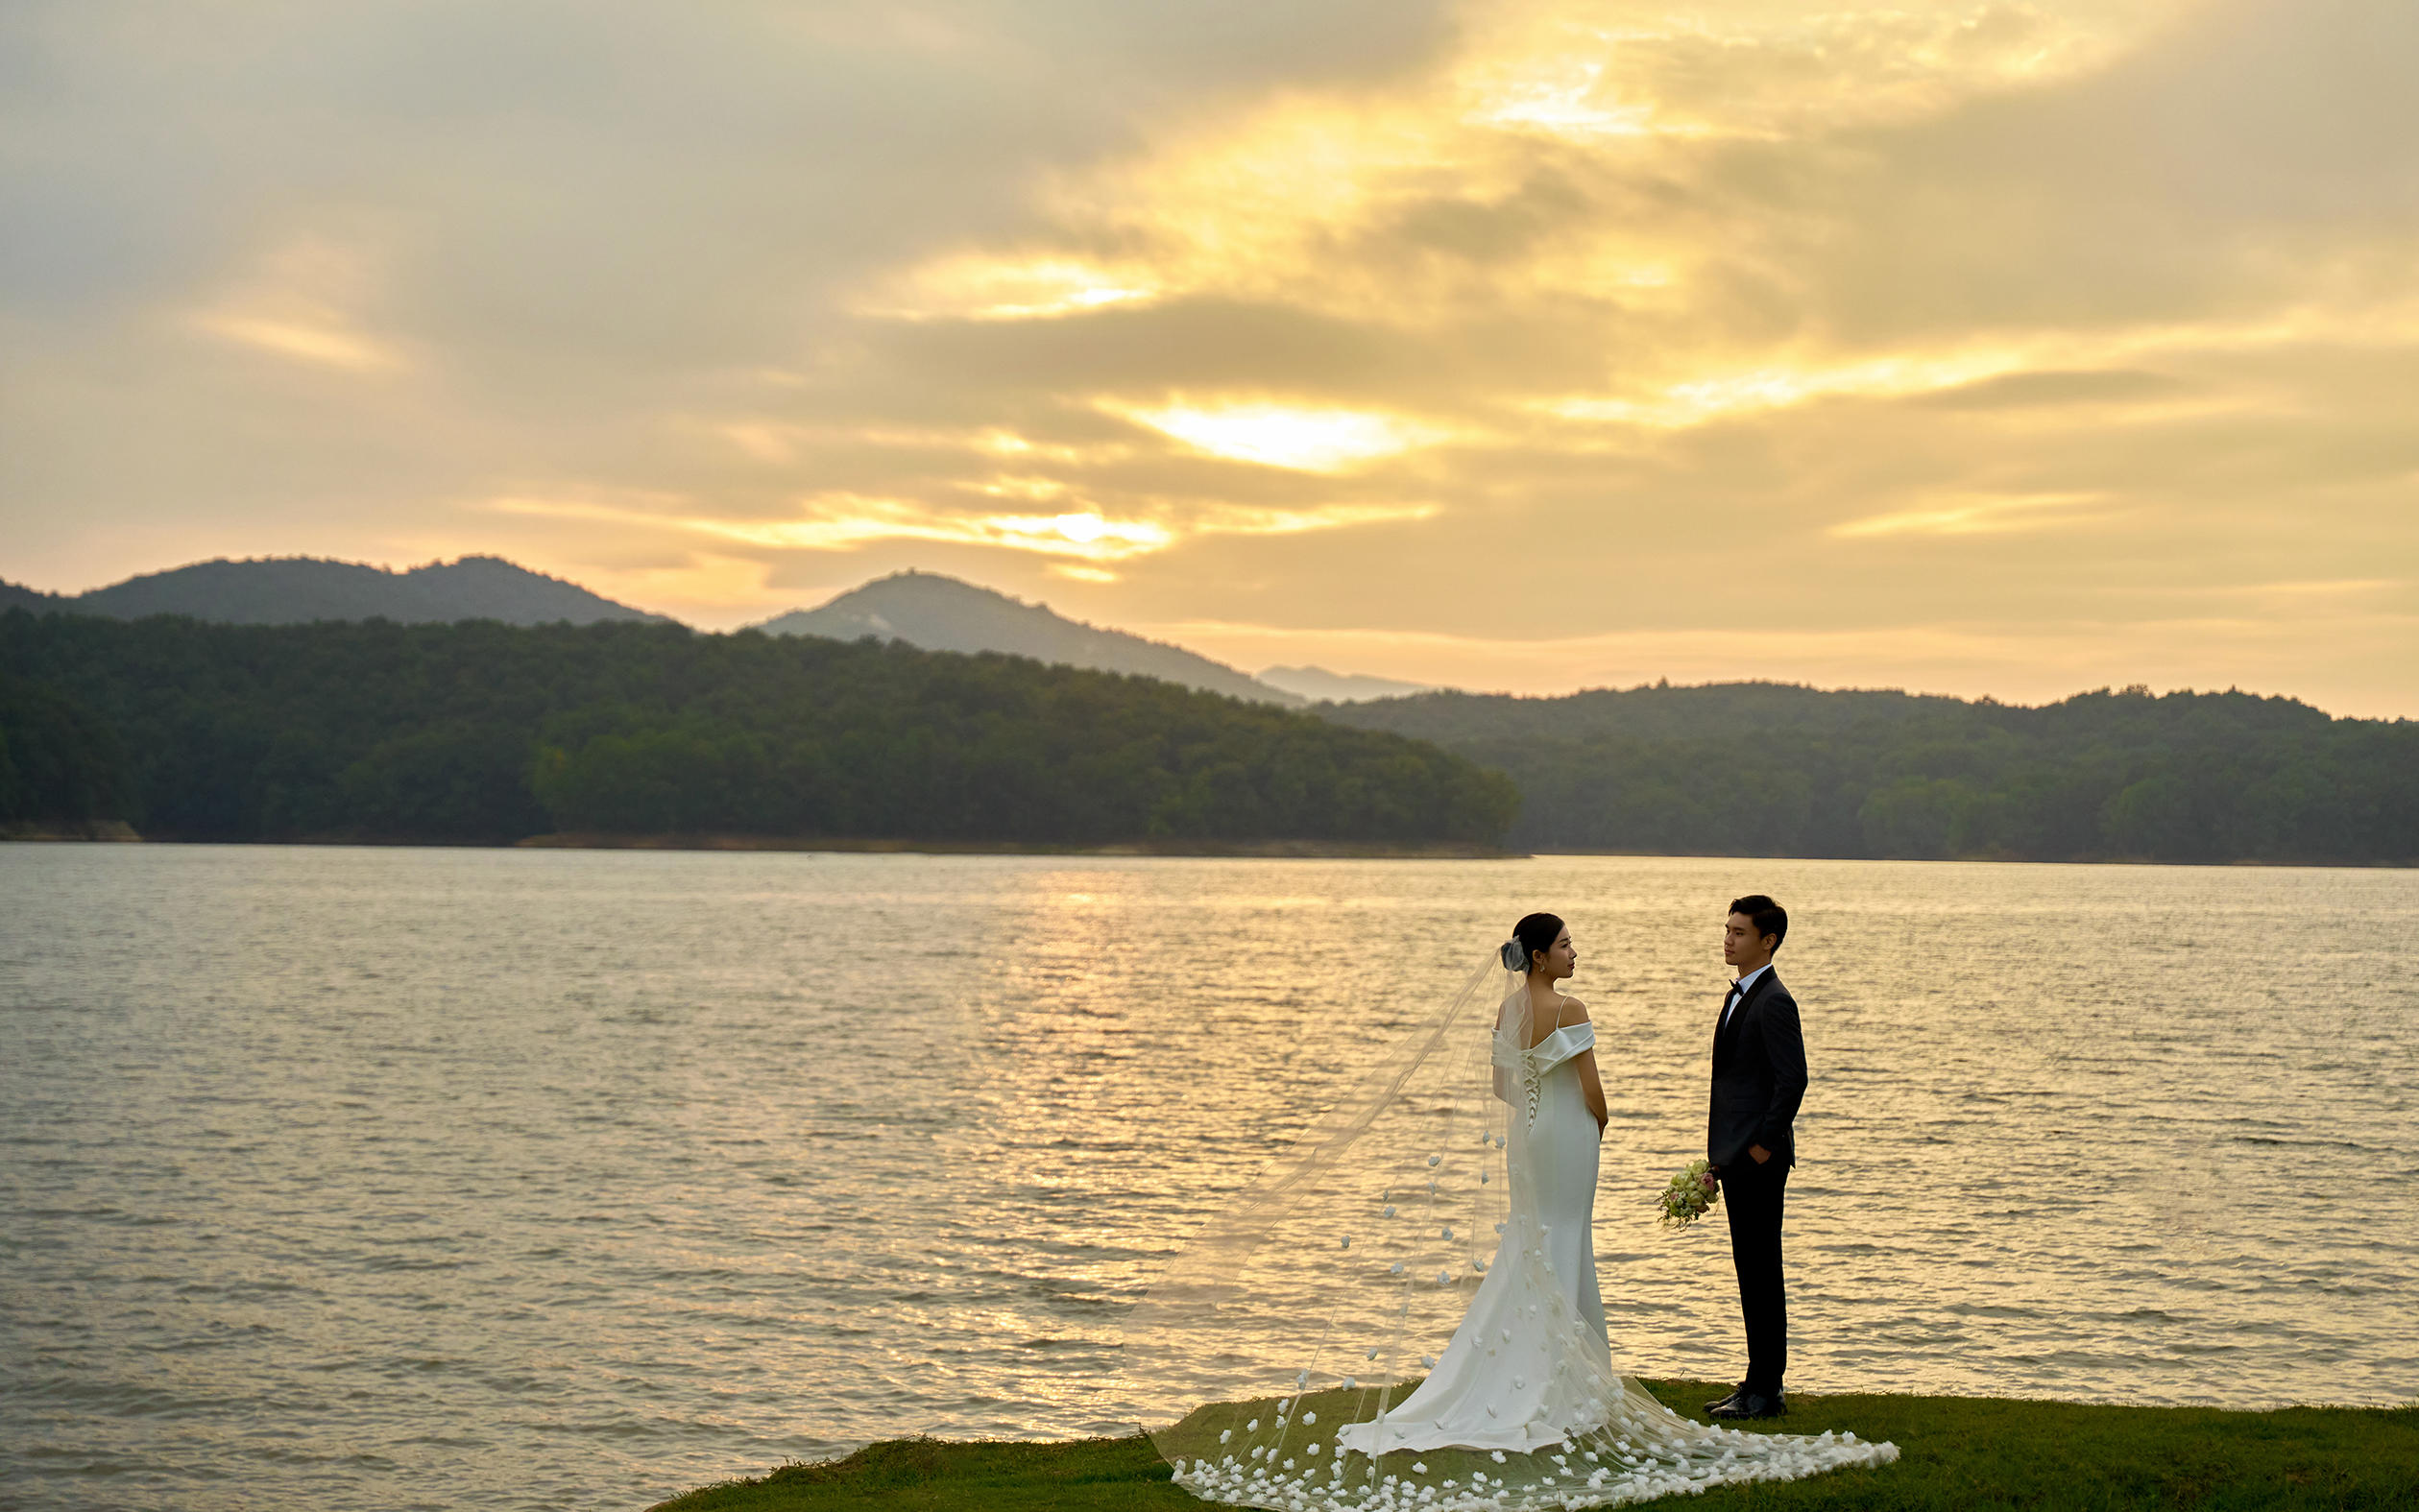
[1591, 1086]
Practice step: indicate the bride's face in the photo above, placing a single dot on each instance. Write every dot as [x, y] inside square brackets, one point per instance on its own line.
[1560, 961]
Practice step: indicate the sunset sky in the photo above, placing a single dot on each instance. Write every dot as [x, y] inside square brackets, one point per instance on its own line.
[2004, 349]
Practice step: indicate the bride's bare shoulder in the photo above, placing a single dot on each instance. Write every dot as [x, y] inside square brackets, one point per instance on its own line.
[1573, 1011]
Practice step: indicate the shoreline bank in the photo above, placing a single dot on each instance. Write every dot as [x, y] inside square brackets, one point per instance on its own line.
[1956, 1452]
[117, 832]
[1253, 850]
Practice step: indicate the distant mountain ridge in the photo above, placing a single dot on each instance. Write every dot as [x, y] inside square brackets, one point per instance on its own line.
[1323, 686]
[935, 613]
[289, 590]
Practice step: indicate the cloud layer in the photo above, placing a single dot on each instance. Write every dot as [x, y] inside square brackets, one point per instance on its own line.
[2002, 349]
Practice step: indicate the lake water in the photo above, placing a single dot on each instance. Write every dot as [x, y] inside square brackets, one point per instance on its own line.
[422, 1178]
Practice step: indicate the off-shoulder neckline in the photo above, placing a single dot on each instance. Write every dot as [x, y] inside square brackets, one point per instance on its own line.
[1559, 1028]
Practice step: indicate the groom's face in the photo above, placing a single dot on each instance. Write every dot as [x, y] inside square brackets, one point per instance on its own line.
[1742, 946]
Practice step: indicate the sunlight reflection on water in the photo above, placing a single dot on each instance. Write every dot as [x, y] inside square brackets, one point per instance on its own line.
[444, 1178]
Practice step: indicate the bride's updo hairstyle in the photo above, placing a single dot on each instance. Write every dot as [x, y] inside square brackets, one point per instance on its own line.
[1531, 935]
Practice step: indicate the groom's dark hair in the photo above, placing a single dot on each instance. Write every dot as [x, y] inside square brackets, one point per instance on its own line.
[1768, 916]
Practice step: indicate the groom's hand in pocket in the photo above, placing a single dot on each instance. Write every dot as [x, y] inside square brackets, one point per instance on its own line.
[1759, 1154]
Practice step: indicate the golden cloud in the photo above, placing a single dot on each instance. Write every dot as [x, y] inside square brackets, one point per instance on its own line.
[324, 344]
[302, 305]
[1982, 515]
[1006, 288]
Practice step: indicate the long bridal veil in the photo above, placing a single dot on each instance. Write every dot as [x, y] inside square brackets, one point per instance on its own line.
[1326, 1291]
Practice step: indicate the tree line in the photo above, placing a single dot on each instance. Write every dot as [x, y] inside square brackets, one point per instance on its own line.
[483, 731]
[1765, 769]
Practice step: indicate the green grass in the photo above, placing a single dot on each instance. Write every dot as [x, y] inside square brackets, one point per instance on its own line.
[1966, 1454]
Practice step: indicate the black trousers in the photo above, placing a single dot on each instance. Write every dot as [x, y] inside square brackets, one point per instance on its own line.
[1752, 1194]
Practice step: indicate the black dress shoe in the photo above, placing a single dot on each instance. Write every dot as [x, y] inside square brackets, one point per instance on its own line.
[1751, 1404]
[1718, 1406]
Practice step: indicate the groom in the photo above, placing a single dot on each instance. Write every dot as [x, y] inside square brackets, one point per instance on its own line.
[1759, 1077]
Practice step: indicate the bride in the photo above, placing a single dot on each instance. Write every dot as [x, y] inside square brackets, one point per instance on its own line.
[1319, 1277]
[1498, 1384]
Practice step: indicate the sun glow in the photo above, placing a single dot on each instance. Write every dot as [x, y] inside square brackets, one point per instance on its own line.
[1284, 436]
[843, 522]
[1565, 106]
[847, 521]
[851, 522]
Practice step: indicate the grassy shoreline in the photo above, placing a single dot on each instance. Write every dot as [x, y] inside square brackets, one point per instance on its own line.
[1958, 1454]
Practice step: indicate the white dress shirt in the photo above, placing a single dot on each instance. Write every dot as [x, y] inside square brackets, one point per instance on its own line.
[1742, 988]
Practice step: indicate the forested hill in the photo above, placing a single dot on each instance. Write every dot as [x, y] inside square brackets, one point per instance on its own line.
[1764, 769]
[290, 591]
[941, 614]
[487, 731]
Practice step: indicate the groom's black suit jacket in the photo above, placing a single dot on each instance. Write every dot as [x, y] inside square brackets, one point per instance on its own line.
[1759, 1077]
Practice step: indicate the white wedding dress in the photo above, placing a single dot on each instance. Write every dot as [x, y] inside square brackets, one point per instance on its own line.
[1509, 1380]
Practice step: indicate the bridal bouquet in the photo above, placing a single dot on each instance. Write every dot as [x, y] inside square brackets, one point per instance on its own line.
[1688, 1195]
